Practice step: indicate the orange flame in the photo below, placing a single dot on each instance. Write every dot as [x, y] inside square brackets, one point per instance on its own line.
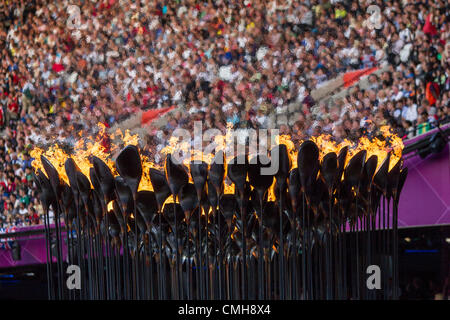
[86, 147]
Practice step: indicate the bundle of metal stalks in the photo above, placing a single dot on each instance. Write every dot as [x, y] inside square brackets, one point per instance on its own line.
[330, 220]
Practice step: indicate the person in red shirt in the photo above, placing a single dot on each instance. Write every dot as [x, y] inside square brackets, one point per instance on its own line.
[432, 92]
[13, 108]
[11, 187]
[429, 28]
[34, 217]
[2, 118]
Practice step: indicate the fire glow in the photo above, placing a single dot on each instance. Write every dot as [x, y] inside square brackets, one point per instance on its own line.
[249, 219]
[106, 147]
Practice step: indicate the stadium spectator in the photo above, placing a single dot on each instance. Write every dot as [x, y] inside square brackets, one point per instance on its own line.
[219, 61]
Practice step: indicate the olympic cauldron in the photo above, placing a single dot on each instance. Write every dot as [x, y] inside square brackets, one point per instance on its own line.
[220, 229]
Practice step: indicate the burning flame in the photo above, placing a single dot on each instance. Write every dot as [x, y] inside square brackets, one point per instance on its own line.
[106, 146]
[290, 146]
[229, 188]
[376, 146]
[57, 157]
[271, 192]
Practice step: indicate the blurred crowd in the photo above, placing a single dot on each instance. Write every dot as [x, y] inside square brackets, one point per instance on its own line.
[67, 65]
[421, 288]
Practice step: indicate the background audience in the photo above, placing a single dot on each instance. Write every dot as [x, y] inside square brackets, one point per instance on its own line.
[218, 61]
